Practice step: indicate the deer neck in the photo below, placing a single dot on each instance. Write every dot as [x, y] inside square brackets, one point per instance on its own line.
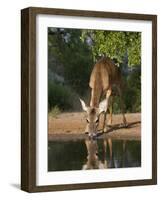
[95, 97]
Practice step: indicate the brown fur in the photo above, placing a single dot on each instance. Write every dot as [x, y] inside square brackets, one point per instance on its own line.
[104, 74]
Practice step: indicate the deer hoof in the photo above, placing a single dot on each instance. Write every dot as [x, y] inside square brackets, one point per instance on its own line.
[124, 125]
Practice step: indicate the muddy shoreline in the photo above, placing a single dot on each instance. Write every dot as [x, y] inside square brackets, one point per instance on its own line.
[70, 126]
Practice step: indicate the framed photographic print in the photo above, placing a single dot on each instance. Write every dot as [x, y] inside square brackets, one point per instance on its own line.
[88, 99]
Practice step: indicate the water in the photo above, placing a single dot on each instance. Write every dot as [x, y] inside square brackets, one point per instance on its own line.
[93, 154]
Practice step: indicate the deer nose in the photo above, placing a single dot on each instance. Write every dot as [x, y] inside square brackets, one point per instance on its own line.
[92, 135]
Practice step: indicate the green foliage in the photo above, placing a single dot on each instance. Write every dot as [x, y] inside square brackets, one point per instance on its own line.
[68, 49]
[132, 93]
[54, 111]
[116, 105]
[115, 44]
[60, 96]
[71, 56]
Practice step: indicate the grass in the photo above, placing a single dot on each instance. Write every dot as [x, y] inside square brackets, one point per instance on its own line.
[54, 112]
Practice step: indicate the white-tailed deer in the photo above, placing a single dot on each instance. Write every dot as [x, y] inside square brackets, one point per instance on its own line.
[104, 76]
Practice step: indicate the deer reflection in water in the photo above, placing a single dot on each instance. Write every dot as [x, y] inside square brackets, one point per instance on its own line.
[93, 161]
[108, 161]
[98, 153]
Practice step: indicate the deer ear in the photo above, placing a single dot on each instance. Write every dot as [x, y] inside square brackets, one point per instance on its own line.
[103, 106]
[84, 107]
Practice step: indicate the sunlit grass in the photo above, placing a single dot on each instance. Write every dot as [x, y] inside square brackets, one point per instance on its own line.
[54, 112]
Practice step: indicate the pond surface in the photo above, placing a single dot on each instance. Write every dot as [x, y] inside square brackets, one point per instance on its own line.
[93, 154]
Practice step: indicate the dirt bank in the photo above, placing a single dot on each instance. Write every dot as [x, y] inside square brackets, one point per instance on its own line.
[68, 126]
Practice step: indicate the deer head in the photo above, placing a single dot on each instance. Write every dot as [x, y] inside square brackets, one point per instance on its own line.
[92, 116]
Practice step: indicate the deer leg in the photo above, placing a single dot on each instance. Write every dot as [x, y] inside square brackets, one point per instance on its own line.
[104, 150]
[109, 91]
[104, 122]
[110, 109]
[122, 107]
[110, 146]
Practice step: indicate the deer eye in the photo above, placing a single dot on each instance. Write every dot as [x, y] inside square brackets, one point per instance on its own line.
[87, 120]
[97, 121]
